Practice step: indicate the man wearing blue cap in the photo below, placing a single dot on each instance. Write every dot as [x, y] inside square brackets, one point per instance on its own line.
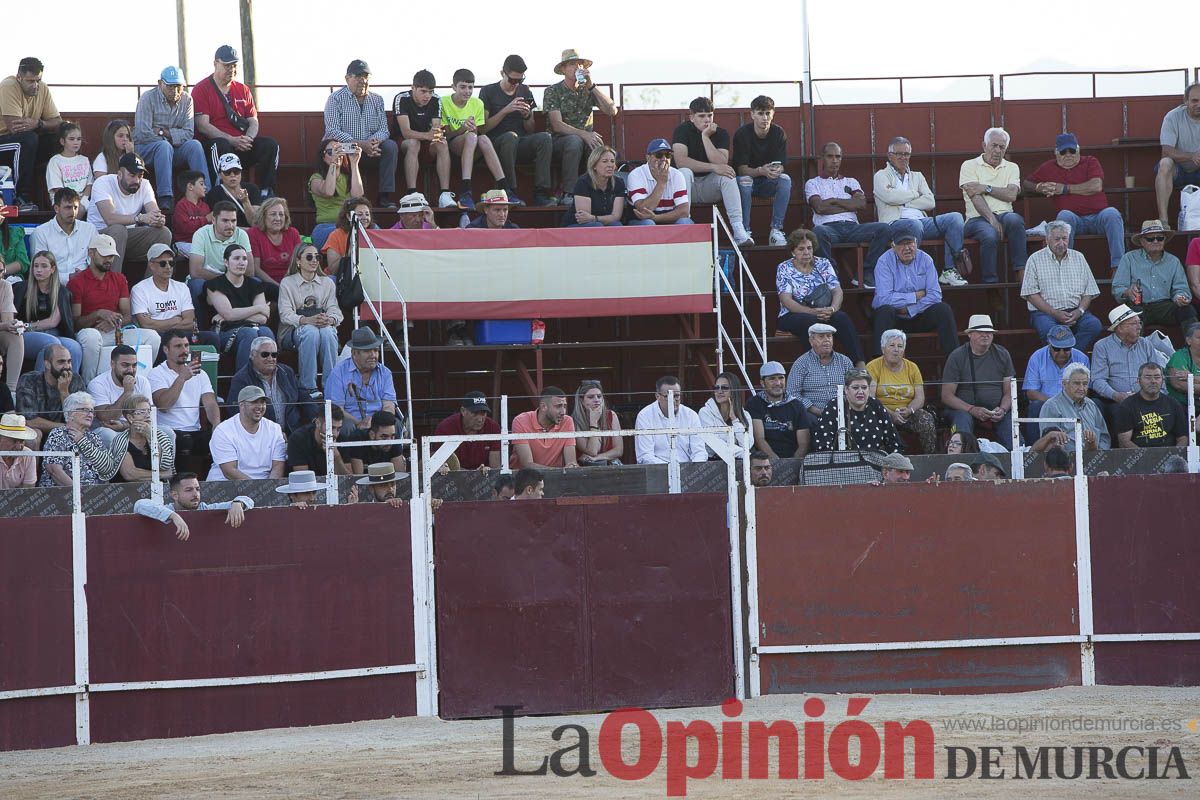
[164, 133]
[1043, 374]
[658, 193]
[1076, 184]
[227, 122]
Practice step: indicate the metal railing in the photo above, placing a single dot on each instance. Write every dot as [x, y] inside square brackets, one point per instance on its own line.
[1093, 75]
[739, 298]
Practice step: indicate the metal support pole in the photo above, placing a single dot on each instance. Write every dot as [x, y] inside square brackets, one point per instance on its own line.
[673, 482]
[156, 487]
[1017, 456]
[331, 478]
[841, 412]
[1193, 452]
[83, 723]
[504, 457]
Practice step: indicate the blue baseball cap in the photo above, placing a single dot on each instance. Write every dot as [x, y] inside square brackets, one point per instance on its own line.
[226, 54]
[1065, 140]
[172, 76]
[1060, 336]
[658, 146]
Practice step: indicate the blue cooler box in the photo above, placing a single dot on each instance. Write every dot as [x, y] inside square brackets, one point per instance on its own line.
[504, 331]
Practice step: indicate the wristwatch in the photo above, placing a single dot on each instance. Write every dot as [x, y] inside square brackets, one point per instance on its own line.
[987, 189]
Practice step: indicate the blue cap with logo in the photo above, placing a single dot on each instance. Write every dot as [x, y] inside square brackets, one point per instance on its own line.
[226, 54]
[658, 146]
[1064, 141]
[172, 76]
[1060, 336]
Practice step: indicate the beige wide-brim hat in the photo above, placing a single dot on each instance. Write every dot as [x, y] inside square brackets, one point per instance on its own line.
[1119, 315]
[381, 473]
[13, 426]
[571, 55]
[980, 323]
[1152, 226]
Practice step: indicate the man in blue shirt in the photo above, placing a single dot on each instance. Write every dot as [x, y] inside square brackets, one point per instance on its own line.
[1043, 375]
[359, 384]
[908, 296]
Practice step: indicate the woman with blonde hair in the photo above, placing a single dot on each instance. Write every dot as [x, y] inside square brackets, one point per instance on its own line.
[116, 141]
[592, 413]
[725, 410]
[599, 194]
[44, 305]
[309, 316]
[273, 241]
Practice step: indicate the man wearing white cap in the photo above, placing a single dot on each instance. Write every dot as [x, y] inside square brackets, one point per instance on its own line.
[164, 133]
[248, 447]
[977, 382]
[1117, 358]
[815, 376]
[414, 214]
[781, 426]
[16, 472]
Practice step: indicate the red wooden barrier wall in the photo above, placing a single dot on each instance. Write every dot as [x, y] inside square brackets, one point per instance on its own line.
[917, 563]
[36, 632]
[583, 604]
[1145, 562]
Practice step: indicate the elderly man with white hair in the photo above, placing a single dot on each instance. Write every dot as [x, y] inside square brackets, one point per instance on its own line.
[1058, 287]
[990, 185]
[959, 471]
[815, 376]
[1073, 403]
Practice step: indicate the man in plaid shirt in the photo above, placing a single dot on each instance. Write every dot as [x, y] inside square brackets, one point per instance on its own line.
[1059, 286]
[354, 115]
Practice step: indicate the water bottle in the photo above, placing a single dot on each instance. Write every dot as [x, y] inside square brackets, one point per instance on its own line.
[580, 77]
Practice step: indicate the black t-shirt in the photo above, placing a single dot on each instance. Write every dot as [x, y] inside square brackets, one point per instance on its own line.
[302, 449]
[420, 118]
[689, 135]
[239, 296]
[218, 194]
[1155, 423]
[494, 99]
[602, 199]
[780, 423]
[368, 455]
[751, 151]
[6, 398]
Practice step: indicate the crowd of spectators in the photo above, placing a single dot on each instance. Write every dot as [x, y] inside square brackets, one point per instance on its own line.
[88, 356]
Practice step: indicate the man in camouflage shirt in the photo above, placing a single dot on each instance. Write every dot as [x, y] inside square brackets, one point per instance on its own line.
[568, 106]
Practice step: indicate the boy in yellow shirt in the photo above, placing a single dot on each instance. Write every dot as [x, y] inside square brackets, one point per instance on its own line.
[463, 117]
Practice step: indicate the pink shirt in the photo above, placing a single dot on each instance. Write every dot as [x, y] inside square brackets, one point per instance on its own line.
[1193, 253]
[545, 452]
[21, 473]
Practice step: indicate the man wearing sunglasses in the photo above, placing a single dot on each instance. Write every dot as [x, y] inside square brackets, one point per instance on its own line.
[1152, 281]
[1075, 183]
[1043, 374]
[510, 107]
[657, 191]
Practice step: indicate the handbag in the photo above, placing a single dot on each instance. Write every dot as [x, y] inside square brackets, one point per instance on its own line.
[349, 285]
[820, 297]
[235, 119]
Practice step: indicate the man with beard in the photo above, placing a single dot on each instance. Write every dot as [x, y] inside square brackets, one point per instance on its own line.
[28, 118]
[306, 446]
[472, 418]
[100, 305]
[248, 447]
[180, 389]
[781, 426]
[128, 211]
[381, 485]
[40, 394]
[549, 417]
[185, 496]
[761, 471]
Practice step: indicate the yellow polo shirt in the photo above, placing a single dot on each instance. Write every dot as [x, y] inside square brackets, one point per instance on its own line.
[1007, 174]
[14, 103]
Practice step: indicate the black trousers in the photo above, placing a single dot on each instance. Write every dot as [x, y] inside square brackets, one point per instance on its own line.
[938, 317]
[264, 156]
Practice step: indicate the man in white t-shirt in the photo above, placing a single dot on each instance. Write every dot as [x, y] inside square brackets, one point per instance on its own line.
[835, 201]
[179, 390]
[111, 389]
[65, 236]
[162, 304]
[125, 205]
[657, 191]
[248, 447]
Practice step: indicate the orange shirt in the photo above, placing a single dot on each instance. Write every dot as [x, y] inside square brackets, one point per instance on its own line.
[546, 452]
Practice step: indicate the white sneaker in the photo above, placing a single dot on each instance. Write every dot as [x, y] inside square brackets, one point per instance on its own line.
[1037, 230]
[777, 238]
[742, 238]
[951, 278]
[447, 200]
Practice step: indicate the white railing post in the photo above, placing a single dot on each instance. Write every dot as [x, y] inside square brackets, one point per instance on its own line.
[1017, 455]
[1083, 563]
[673, 483]
[717, 271]
[331, 478]
[83, 724]
[841, 417]
[504, 443]
[156, 487]
[424, 599]
[1193, 451]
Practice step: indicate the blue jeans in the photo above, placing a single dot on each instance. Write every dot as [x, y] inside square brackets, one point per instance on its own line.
[779, 188]
[948, 227]
[684, 221]
[1087, 329]
[962, 421]
[312, 342]
[245, 336]
[1107, 222]
[37, 341]
[1032, 431]
[1013, 226]
[876, 233]
[163, 157]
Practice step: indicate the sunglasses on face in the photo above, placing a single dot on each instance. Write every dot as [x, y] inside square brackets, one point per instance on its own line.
[310, 256]
[1060, 349]
[515, 78]
[721, 387]
[1068, 151]
[163, 262]
[234, 171]
[1154, 238]
[268, 354]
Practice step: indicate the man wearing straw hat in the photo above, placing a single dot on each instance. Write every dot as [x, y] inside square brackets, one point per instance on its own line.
[977, 382]
[1117, 358]
[568, 105]
[301, 489]
[495, 205]
[16, 472]
[1152, 281]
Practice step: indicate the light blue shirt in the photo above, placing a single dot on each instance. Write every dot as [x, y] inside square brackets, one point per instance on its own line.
[1061, 407]
[345, 387]
[1115, 367]
[896, 283]
[1043, 375]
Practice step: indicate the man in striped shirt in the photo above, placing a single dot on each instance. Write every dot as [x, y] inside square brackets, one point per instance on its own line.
[657, 191]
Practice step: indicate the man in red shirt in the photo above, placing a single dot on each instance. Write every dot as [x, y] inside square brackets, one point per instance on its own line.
[100, 305]
[227, 121]
[549, 417]
[1076, 182]
[473, 418]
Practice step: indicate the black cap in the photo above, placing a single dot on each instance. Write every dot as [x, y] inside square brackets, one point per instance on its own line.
[476, 401]
[132, 162]
[903, 235]
[358, 67]
[226, 54]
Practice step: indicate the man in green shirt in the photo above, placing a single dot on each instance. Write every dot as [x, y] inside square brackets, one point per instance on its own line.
[568, 105]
